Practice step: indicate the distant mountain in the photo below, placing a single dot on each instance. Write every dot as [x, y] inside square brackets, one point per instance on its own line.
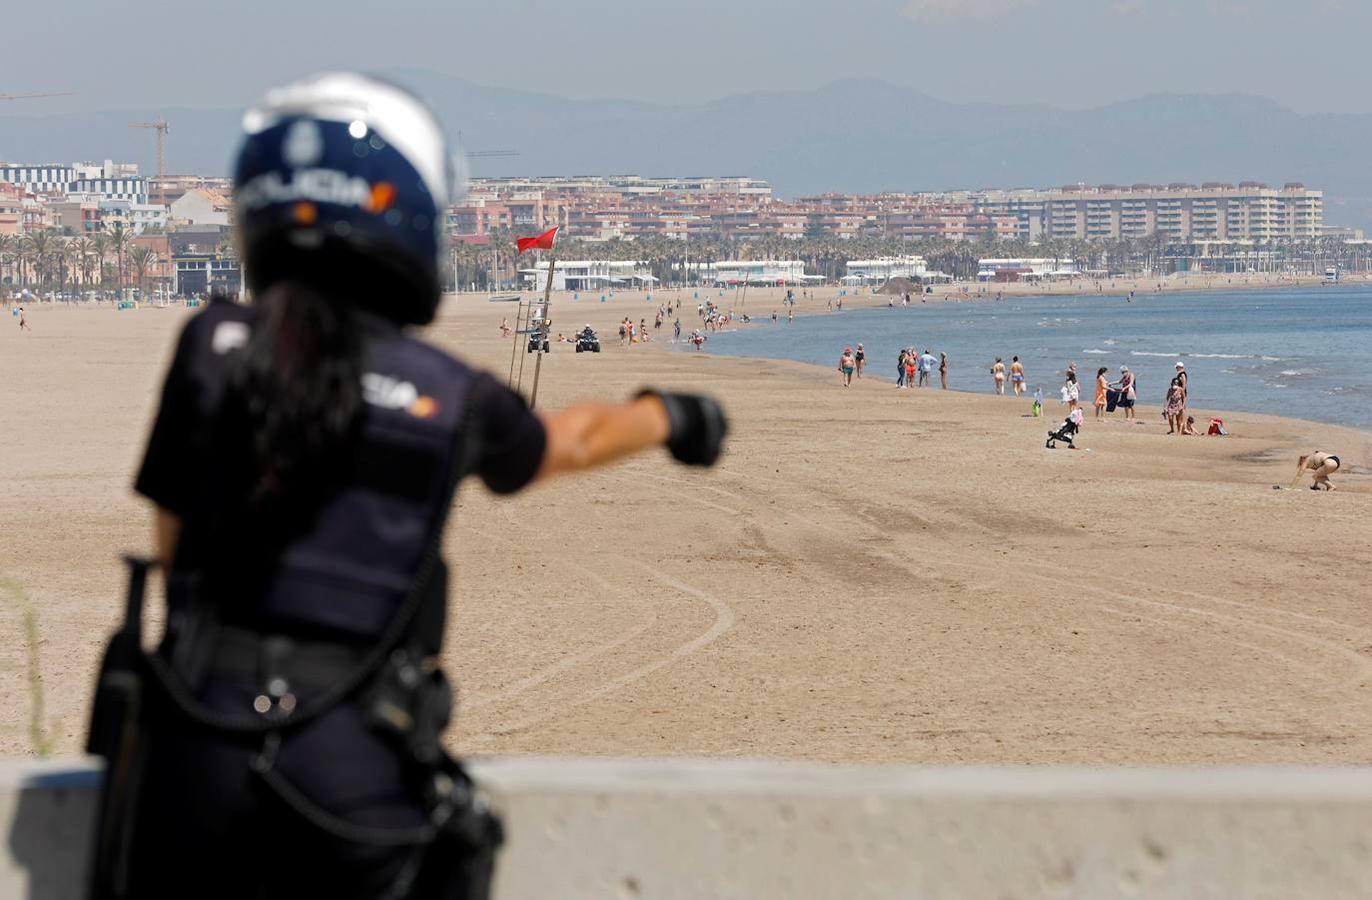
[855, 135]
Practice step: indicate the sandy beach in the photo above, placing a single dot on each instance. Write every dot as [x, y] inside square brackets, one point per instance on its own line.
[869, 575]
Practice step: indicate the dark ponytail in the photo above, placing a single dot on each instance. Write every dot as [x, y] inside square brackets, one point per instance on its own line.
[300, 385]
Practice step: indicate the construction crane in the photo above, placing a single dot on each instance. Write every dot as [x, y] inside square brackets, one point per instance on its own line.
[31, 96]
[161, 126]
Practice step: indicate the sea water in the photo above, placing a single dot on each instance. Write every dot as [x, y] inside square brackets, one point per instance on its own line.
[1305, 352]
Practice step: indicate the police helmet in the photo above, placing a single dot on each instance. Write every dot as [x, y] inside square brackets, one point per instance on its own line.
[343, 180]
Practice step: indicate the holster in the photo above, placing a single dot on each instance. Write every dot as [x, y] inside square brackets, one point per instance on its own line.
[118, 735]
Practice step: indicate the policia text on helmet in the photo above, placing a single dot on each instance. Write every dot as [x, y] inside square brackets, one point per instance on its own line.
[284, 738]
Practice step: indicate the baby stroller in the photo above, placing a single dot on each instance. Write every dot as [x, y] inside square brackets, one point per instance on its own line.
[1064, 433]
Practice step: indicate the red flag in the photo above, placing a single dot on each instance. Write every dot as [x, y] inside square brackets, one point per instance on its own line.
[543, 242]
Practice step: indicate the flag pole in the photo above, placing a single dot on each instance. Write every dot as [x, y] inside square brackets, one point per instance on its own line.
[545, 328]
[519, 382]
[519, 312]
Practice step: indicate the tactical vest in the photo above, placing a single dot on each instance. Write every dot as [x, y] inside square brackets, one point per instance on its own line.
[350, 569]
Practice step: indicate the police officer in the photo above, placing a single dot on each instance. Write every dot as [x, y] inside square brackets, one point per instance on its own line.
[302, 464]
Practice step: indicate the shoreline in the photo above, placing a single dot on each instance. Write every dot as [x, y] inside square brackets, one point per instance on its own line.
[863, 298]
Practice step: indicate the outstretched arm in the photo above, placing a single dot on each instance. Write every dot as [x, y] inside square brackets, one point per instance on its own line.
[593, 434]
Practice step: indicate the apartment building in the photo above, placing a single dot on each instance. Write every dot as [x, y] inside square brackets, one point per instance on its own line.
[627, 186]
[108, 180]
[1214, 211]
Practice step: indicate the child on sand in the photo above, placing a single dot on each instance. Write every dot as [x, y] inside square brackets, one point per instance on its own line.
[1190, 427]
[23, 321]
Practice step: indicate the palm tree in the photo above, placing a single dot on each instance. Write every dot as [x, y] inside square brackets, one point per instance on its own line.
[143, 258]
[120, 241]
[83, 250]
[100, 249]
[9, 247]
[40, 246]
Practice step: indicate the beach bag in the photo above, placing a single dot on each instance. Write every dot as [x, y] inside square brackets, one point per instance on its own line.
[1216, 427]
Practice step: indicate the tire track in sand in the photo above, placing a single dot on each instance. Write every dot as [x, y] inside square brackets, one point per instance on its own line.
[724, 620]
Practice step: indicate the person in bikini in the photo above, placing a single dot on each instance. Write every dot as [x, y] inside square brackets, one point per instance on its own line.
[998, 373]
[860, 357]
[1321, 465]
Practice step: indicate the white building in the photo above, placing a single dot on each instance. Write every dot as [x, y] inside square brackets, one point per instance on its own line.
[202, 206]
[1213, 211]
[760, 272]
[108, 180]
[590, 275]
[1026, 269]
[880, 271]
[135, 217]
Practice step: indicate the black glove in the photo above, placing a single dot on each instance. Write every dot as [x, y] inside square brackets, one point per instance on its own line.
[696, 427]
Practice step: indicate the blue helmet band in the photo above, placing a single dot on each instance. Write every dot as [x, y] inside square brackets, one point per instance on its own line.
[361, 176]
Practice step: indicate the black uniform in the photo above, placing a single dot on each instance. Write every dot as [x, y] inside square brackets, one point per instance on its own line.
[268, 605]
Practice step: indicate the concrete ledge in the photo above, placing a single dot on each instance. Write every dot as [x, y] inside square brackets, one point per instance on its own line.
[593, 828]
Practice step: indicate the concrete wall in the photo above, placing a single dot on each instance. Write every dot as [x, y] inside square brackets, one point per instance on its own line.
[759, 830]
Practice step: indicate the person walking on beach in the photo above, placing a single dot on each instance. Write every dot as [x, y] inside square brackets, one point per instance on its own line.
[1321, 465]
[846, 365]
[23, 321]
[926, 367]
[1174, 408]
[1185, 381]
[998, 375]
[505, 327]
[860, 357]
[1128, 394]
[676, 330]
[911, 360]
[943, 370]
[900, 369]
[1071, 391]
[1102, 387]
[1016, 375]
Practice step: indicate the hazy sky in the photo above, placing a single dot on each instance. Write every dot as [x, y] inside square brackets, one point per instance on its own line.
[1306, 54]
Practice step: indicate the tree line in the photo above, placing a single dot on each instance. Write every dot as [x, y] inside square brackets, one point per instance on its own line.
[46, 260]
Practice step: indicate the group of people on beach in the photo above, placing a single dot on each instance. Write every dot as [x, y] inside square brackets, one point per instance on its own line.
[1016, 372]
[914, 369]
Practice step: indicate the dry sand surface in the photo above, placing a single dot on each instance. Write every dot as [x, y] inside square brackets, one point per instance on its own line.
[870, 574]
